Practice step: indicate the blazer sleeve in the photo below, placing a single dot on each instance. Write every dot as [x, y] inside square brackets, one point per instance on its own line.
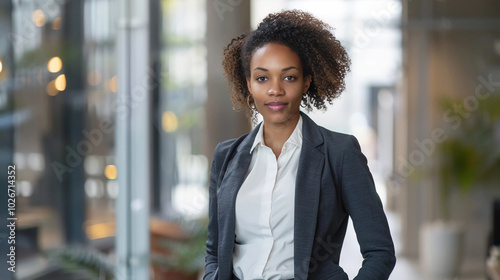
[211, 259]
[365, 208]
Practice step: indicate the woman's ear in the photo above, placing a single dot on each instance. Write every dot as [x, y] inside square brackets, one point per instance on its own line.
[249, 86]
[307, 83]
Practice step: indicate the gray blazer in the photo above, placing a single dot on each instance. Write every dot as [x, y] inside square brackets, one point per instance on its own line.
[333, 182]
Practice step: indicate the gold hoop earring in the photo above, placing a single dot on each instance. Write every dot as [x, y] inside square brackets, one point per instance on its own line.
[253, 111]
[248, 102]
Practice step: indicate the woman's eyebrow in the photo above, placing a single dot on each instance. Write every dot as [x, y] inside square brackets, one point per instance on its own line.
[282, 70]
[289, 68]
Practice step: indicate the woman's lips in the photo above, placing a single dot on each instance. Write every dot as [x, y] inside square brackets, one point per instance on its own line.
[276, 105]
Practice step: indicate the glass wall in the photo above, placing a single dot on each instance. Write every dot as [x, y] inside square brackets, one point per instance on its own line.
[58, 73]
[64, 83]
[101, 85]
[182, 167]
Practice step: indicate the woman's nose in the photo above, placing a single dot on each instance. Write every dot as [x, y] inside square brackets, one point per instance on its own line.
[275, 88]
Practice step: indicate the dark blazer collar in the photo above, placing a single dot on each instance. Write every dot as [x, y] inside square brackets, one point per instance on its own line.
[307, 191]
[311, 131]
[247, 143]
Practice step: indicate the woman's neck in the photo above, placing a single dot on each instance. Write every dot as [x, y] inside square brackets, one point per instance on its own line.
[275, 135]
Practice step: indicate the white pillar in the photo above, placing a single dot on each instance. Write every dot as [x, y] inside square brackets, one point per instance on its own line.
[133, 141]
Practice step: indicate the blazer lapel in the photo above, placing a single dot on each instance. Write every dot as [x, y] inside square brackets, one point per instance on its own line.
[307, 191]
[226, 198]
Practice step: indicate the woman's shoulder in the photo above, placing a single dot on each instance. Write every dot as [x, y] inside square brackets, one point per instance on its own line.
[225, 151]
[340, 148]
[338, 140]
[226, 147]
[330, 138]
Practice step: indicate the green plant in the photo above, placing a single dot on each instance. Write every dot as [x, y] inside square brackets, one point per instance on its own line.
[188, 255]
[470, 155]
[85, 262]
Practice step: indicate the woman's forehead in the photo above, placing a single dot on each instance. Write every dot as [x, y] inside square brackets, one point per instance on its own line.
[275, 55]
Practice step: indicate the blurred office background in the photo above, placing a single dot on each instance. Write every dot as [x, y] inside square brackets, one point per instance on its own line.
[111, 109]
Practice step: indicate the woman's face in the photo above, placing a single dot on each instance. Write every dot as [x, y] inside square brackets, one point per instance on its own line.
[277, 84]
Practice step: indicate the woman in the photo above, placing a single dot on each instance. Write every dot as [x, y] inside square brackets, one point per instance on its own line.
[280, 196]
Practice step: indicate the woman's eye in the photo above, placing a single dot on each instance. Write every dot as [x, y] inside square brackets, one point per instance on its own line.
[261, 79]
[289, 78]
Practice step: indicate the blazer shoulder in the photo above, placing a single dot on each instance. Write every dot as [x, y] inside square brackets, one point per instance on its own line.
[224, 152]
[225, 149]
[339, 141]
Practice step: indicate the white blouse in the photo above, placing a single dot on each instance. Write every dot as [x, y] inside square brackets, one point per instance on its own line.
[265, 211]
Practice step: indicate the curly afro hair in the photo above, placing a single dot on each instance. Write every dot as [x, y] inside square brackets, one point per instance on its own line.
[321, 54]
